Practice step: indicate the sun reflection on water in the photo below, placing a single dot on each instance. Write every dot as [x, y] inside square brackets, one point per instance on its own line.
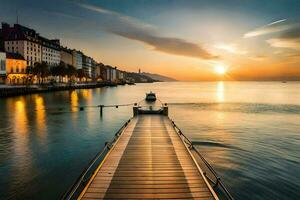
[220, 91]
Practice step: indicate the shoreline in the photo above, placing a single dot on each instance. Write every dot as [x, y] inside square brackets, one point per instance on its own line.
[35, 89]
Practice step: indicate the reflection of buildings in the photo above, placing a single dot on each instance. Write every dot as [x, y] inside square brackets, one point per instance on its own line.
[15, 69]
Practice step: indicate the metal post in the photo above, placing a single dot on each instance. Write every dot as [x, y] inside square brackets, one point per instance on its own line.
[165, 110]
[135, 109]
[101, 109]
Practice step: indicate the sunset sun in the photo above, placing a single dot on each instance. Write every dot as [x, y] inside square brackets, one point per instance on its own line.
[219, 69]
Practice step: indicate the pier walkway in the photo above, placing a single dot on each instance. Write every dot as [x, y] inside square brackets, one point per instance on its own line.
[148, 161]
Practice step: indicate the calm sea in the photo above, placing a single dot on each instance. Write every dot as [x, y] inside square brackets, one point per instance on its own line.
[248, 131]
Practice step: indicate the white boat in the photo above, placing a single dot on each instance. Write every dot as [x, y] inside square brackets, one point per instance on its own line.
[150, 96]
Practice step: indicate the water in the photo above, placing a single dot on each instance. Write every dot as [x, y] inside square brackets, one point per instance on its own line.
[248, 131]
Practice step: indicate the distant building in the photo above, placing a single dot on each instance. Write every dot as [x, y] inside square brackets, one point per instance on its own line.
[87, 65]
[95, 65]
[77, 59]
[114, 74]
[1, 42]
[111, 73]
[66, 56]
[98, 74]
[121, 75]
[103, 72]
[50, 51]
[2, 67]
[15, 68]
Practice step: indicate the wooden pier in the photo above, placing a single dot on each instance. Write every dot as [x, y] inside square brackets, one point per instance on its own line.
[148, 161]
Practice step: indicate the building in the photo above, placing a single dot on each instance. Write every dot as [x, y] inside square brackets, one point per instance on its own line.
[66, 56]
[77, 59]
[2, 67]
[121, 75]
[103, 72]
[95, 65]
[15, 67]
[50, 51]
[98, 73]
[110, 73]
[22, 40]
[1, 42]
[114, 74]
[87, 65]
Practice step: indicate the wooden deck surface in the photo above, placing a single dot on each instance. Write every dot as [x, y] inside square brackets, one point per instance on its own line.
[149, 161]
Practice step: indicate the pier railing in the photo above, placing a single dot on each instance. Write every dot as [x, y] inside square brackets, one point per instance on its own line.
[84, 177]
[210, 173]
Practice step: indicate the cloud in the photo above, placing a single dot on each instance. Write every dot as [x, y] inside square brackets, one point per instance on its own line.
[288, 39]
[134, 29]
[273, 27]
[231, 48]
[259, 58]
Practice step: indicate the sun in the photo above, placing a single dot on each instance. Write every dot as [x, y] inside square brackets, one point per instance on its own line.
[219, 69]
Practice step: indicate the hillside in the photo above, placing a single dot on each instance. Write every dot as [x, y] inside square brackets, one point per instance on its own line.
[158, 77]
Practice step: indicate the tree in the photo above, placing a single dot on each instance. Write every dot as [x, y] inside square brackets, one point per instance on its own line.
[71, 71]
[59, 70]
[80, 74]
[28, 71]
[41, 70]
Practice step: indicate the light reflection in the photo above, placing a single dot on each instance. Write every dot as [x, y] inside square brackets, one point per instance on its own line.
[74, 101]
[21, 121]
[40, 116]
[87, 94]
[21, 135]
[220, 91]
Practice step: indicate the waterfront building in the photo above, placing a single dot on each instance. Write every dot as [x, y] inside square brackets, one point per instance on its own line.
[98, 74]
[66, 56]
[87, 65]
[121, 75]
[22, 40]
[93, 70]
[111, 74]
[1, 42]
[15, 69]
[103, 72]
[114, 74]
[50, 51]
[77, 59]
[2, 67]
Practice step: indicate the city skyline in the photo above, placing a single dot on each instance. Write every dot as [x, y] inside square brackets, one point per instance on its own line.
[199, 40]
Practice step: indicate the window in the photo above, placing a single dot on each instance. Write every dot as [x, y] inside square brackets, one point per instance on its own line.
[2, 65]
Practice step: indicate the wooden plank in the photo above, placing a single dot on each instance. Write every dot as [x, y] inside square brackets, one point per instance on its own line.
[149, 161]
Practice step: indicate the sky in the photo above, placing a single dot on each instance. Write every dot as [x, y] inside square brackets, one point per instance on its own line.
[188, 40]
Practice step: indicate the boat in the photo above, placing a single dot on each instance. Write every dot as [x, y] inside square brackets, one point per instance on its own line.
[150, 96]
